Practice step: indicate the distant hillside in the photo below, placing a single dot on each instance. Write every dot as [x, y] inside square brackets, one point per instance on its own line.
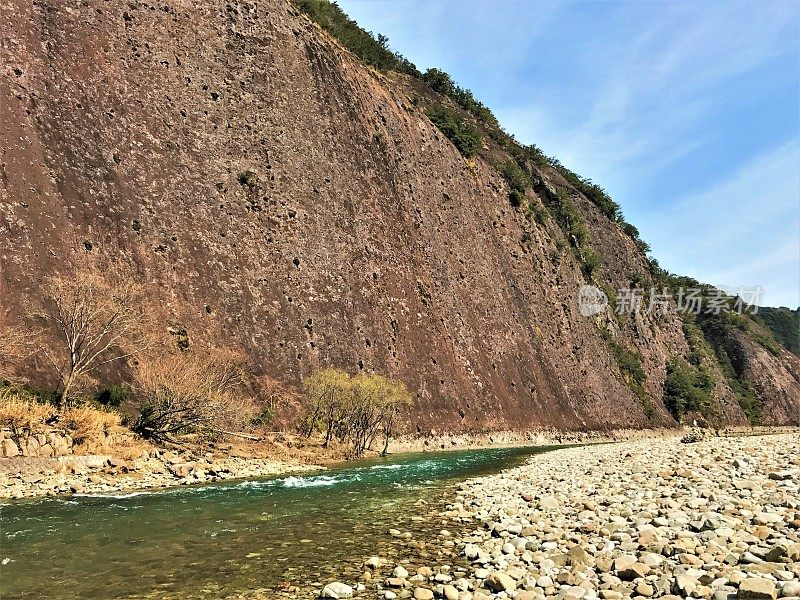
[784, 324]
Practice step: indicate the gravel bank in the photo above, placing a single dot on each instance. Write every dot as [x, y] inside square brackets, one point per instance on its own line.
[653, 518]
[23, 477]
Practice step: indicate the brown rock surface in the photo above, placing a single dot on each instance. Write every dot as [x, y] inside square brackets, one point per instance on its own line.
[359, 239]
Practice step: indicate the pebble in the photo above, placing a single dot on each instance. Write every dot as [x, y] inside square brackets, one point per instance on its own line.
[715, 519]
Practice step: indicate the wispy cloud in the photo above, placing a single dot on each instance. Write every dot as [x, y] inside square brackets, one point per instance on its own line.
[742, 231]
[653, 78]
[684, 111]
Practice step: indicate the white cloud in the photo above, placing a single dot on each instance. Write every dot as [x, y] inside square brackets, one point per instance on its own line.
[641, 97]
[745, 230]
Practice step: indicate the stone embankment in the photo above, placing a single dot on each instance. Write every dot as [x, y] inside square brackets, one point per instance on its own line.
[54, 442]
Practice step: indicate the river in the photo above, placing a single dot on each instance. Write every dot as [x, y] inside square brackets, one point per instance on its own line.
[224, 539]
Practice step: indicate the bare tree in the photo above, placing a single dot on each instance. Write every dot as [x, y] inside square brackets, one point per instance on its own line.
[16, 344]
[93, 319]
[196, 390]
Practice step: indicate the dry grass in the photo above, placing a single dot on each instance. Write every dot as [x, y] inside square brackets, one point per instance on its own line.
[286, 447]
[18, 413]
[133, 448]
[88, 423]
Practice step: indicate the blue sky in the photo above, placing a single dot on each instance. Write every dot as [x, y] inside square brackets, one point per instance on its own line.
[688, 112]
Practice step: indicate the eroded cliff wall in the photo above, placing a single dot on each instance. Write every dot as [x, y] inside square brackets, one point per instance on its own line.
[279, 196]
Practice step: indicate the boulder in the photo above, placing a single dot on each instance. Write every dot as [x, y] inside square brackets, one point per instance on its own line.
[8, 448]
[645, 589]
[451, 593]
[92, 461]
[776, 553]
[790, 589]
[471, 551]
[336, 590]
[421, 593]
[579, 556]
[182, 469]
[548, 502]
[400, 571]
[793, 552]
[216, 468]
[623, 562]
[31, 447]
[685, 584]
[694, 436]
[757, 588]
[46, 450]
[500, 582]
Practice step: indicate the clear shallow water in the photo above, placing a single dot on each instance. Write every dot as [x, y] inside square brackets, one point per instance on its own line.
[221, 539]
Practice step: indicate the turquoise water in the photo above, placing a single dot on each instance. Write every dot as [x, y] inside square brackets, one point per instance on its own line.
[224, 539]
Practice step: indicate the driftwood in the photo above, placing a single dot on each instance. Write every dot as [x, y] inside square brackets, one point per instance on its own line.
[246, 436]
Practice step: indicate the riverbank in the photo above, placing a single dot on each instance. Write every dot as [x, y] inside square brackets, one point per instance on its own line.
[554, 437]
[716, 519]
[512, 439]
[145, 467]
[142, 466]
[24, 477]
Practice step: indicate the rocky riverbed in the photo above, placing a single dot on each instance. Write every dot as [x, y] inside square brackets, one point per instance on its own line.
[716, 519]
[22, 477]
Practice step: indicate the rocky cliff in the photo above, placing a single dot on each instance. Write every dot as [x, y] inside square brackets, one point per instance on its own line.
[278, 195]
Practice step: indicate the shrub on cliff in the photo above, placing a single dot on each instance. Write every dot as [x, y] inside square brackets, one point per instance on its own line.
[629, 363]
[784, 324]
[373, 51]
[687, 388]
[517, 181]
[464, 137]
[590, 262]
[439, 81]
[113, 396]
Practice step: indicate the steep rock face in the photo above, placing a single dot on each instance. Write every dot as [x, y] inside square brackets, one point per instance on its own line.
[776, 378]
[276, 195]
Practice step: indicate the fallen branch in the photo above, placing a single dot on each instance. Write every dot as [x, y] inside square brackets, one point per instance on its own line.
[255, 438]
